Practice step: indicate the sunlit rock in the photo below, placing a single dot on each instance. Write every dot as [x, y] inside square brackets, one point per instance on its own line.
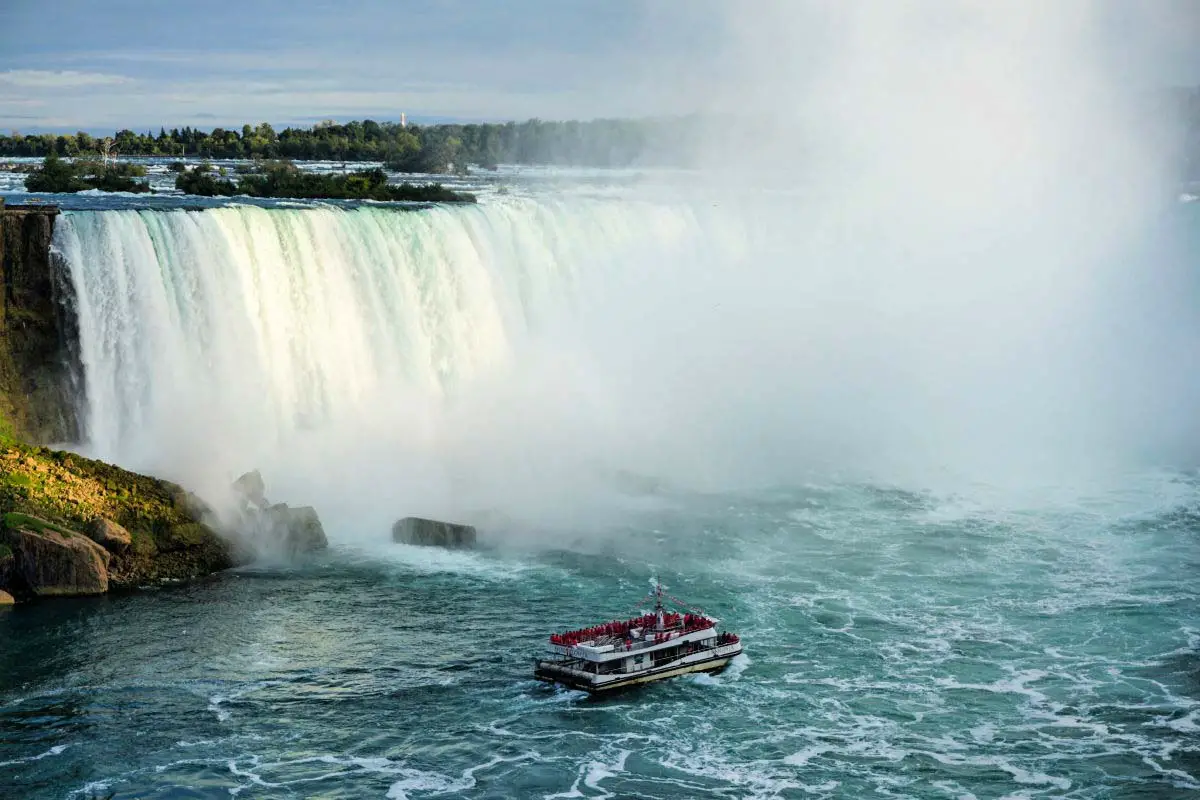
[109, 535]
[51, 560]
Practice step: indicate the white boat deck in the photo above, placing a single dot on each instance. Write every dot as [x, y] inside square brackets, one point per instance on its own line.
[606, 648]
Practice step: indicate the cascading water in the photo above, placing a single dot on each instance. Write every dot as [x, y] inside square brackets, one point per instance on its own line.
[225, 339]
[505, 356]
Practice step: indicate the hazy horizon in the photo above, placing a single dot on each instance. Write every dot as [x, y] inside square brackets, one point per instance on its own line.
[138, 66]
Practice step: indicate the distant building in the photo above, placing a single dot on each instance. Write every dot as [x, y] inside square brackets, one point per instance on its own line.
[403, 120]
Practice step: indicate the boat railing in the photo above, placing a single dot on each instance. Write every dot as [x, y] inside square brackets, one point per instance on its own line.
[634, 630]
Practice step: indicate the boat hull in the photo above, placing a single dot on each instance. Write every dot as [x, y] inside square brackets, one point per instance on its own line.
[550, 673]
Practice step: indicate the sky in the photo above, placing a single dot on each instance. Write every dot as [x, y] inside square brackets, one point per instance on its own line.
[141, 64]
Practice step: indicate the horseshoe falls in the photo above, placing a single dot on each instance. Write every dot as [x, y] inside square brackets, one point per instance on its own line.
[409, 343]
[945, 495]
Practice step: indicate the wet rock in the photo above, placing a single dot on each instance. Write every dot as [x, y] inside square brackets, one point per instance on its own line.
[109, 535]
[274, 530]
[429, 532]
[6, 599]
[295, 530]
[252, 489]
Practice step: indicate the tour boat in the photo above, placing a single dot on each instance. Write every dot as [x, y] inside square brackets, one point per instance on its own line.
[624, 653]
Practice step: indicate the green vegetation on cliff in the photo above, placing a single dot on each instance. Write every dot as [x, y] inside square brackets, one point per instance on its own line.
[50, 498]
[284, 179]
[57, 175]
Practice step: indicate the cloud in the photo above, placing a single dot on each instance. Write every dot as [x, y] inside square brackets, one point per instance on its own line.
[58, 79]
[542, 58]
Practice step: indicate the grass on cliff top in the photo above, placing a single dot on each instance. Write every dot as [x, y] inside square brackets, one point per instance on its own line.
[15, 519]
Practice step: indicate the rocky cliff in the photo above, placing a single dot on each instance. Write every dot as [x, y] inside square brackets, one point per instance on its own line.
[70, 525]
[39, 337]
[75, 526]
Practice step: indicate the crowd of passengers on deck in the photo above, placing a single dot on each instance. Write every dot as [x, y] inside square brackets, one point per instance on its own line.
[623, 629]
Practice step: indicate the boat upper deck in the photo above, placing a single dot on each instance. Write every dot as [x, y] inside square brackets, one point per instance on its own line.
[620, 638]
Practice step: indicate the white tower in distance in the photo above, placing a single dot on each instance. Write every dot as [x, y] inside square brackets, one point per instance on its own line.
[403, 120]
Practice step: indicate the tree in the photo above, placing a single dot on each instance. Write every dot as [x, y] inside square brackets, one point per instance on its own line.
[55, 175]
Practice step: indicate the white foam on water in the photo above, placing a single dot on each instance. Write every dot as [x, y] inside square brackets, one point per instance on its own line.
[591, 773]
[759, 779]
[801, 758]
[1019, 774]
[414, 780]
[214, 705]
[436, 560]
[1180, 778]
[409, 779]
[1013, 685]
[92, 789]
[983, 733]
[434, 783]
[53, 751]
[736, 667]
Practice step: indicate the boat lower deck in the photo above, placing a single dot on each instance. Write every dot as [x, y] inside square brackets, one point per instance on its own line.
[710, 661]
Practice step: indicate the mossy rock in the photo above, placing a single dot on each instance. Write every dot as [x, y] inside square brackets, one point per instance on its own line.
[53, 561]
[143, 543]
[189, 534]
[17, 521]
[42, 489]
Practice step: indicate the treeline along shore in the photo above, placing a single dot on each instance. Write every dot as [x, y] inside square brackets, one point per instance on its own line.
[275, 178]
[666, 141]
[402, 148]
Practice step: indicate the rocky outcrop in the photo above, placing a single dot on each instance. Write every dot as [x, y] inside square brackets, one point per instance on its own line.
[64, 514]
[297, 530]
[39, 363]
[52, 560]
[251, 488]
[416, 530]
[6, 599]
[276, 530]
[109, 535]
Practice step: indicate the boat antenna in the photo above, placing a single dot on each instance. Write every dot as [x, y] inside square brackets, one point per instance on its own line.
[658, 603]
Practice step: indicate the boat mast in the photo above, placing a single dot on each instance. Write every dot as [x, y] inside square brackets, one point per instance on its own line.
[658, 604]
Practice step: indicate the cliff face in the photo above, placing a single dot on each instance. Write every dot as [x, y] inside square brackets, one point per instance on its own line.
[38, 330]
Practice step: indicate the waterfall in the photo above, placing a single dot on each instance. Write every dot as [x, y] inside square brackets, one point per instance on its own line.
[219, 340]
[517, 354]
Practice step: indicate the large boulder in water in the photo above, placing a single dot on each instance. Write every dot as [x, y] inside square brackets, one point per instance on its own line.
[296, 530]
[416, 530]
[6, 599]
[51, 560]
